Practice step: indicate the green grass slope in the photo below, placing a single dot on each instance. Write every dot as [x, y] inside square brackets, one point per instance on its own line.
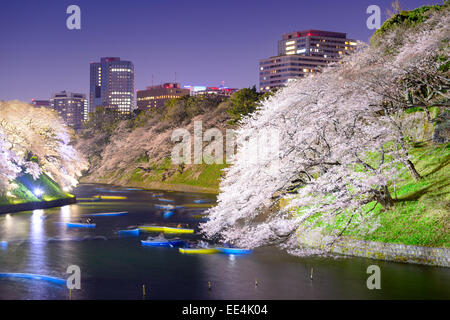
[24, 188]
[421, 214]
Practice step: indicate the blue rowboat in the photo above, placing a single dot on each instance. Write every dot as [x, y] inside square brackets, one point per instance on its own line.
[30, 276]
[157, 195]
[162, 243]
[161, 206]
[165, 200]
[201, 201]
[107, 214]
[168, 214]
[131, 232]
[234, 251]
[80, 225]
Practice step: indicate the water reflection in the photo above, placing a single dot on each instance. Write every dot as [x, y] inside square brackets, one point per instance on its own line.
[65, 213]
[37, 258]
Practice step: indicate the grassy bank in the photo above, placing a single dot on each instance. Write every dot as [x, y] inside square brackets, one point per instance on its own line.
[25, 188]
[163, 175]
[421, 212]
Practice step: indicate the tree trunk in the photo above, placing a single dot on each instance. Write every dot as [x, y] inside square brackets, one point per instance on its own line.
[412, 170]
[383, 196]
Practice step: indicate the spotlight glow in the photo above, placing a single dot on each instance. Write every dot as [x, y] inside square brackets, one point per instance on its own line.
[38, 192]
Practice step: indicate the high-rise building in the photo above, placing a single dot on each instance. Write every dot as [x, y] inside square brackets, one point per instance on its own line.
[112, 85]
[71, 106]
[156, 96]
[300, 53]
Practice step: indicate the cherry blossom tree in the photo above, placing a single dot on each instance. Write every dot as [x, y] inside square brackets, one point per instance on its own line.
[344, 137]
[35, 140]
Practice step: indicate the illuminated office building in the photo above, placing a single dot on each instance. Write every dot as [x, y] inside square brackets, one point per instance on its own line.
[71, 106]
[112, 85]
[301, 53]
[156, 96]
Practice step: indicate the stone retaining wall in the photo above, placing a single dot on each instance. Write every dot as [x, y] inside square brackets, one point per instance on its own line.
[393, 252]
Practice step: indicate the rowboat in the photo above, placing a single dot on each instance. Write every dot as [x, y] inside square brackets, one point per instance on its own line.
[234, 250]
[177, 230]
[110, 197]
[166, 207]
[30, 276]
[198, 250]
[165, 229]
[201, 201]
[80, 225]
[168, 214]
[152, 228]
[130, 232]
[162, 243]
[107, 214]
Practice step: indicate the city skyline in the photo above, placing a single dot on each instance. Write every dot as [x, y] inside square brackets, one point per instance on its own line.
[196, 43]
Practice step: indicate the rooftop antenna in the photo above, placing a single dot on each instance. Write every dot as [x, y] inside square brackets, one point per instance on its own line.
[175, 77]
[152, 80]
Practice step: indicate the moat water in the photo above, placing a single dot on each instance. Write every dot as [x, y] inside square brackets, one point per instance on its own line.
[116, 267]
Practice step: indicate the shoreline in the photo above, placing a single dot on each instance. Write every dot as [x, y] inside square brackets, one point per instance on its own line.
[29, 206]
[161, 186]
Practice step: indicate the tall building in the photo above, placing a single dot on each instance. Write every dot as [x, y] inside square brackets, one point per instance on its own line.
[300, 53]
[156, 96]
[71, 106]
[112, 85]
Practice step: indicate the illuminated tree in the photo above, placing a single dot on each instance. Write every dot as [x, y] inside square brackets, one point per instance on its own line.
[344, 137]
[35, 140]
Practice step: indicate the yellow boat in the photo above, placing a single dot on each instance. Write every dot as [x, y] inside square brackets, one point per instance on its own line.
[152, 228]
[177, 230]
[198, 250]
[110, 197]
[165, 229]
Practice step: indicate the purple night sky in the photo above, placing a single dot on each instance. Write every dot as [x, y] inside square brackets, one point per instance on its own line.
[204, 41]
